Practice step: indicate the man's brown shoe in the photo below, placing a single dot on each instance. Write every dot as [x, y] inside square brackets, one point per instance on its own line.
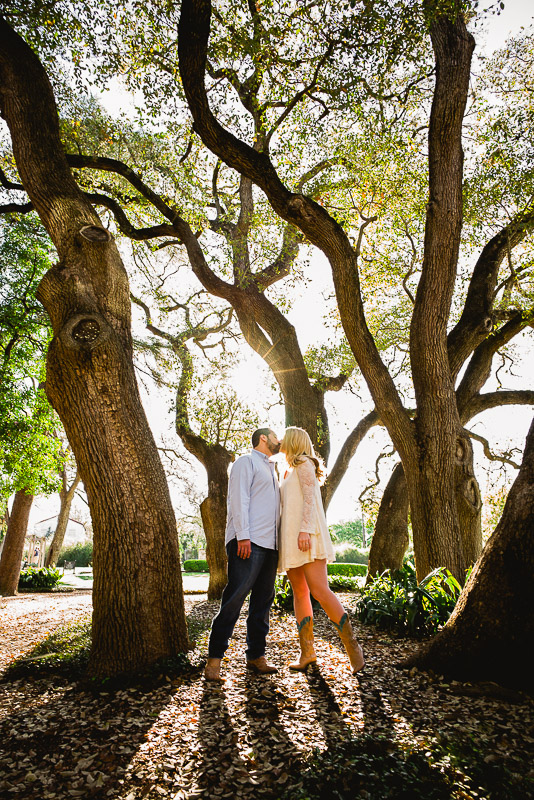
[261, 667]
[212, 670]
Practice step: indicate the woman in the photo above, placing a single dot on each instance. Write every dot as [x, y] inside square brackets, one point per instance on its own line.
[305, 547]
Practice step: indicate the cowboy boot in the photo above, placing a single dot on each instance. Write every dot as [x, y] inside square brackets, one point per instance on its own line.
[261, 666]
[307, 653]
[212, 670]
[354, 651]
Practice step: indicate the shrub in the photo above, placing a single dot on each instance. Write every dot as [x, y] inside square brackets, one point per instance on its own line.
[395, 601]
[196, 565]
[350, 569]
[341, 583]
[352, 555]
[39, 578]
[283, 593]
[81, 553]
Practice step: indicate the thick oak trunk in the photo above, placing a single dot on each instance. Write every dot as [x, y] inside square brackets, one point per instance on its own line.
[390, 539]
[213, 512]
[138, 614]
[66, 496]
[490, 633]
[11, 559]
[468, 501]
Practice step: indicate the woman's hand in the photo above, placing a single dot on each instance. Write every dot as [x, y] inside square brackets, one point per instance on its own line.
[304, 541]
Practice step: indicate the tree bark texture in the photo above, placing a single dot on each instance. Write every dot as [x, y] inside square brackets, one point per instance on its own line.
[11, 558]
[431, 476]
[390, 538]
[490, 633]
[66, 496]
[213, 512]
[138, 610]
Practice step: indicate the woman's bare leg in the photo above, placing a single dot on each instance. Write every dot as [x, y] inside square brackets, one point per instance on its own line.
[317, 580]
[301, 593]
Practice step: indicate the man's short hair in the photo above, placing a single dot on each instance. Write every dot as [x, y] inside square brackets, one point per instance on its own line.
[260, 432]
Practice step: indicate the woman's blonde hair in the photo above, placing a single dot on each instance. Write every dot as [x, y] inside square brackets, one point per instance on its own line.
[297, 445]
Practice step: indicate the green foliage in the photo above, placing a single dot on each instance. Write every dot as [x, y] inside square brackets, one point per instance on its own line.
[341, 583]
[283, 595]
[349, 569]
[350, 531]
[81, 553]
[196, 565]
[30, 451]
[39, 578]
[66, 651]
[352, 555]
[395, 601]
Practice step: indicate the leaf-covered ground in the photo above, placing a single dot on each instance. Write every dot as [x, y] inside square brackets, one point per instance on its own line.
[387, 734]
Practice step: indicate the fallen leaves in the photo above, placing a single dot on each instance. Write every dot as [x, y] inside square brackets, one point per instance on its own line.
[189, 739]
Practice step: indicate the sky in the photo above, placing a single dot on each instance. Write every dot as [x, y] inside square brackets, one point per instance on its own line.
[307, 314]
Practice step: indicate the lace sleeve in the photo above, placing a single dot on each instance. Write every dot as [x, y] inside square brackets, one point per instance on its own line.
[307, 479]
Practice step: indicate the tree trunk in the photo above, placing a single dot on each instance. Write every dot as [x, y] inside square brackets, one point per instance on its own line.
[138, 609]
[468, 501]
[213, 513]
[66, 496]
[489, 635]
[14, 543]
[390, 539]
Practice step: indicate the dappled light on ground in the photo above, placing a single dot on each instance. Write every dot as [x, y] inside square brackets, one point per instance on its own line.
[256, 736]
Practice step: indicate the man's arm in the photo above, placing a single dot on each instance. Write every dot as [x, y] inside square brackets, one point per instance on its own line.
[241, 477]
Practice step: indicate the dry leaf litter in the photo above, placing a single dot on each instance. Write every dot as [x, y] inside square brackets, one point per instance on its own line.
[187, 739]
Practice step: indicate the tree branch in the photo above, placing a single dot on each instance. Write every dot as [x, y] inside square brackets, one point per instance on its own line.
[484, 402]
[488, 452]
[349, 447]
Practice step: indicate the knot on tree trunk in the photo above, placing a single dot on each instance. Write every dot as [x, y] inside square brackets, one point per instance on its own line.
[486, 325]
[95, 233]
[85, 332]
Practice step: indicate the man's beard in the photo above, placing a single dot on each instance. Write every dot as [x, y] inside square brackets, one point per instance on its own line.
[274, 448]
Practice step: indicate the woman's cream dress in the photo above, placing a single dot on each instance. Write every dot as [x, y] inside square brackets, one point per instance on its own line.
[302, 510]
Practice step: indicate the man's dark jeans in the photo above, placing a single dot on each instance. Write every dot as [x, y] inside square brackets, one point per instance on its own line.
[256, 575]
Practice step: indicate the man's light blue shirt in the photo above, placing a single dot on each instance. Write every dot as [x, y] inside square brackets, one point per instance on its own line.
[253, 501]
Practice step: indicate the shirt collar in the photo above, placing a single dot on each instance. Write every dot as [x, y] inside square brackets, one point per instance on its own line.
[261, 455]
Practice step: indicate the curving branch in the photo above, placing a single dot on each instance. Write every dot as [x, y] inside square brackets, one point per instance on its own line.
[346, 453]
[491, 456]
[478, 316]
[489, 400]
[313, 220]
[124, 224]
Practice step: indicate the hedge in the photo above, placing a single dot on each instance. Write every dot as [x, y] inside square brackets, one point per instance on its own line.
[349, 570]
[196, 565]
[352, 570]
[81, 553]
[39, 578]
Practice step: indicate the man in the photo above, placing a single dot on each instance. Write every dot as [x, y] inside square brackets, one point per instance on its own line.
[251, 544]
